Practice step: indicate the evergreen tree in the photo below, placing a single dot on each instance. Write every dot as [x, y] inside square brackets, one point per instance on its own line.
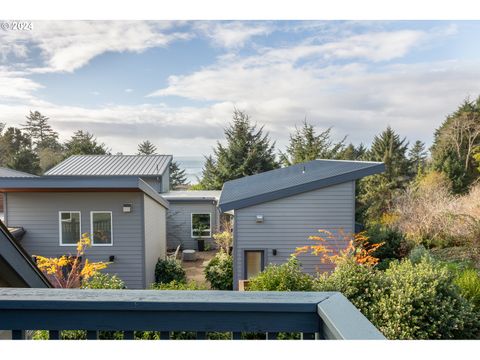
[16, 150]
[378, 191]
[306, 145]
[25, 160]
[40, 131]
[146, 148]
[177, 176]
[418, 157]
[248, 151]
[454, 143]
[84, 143]
[352, 152]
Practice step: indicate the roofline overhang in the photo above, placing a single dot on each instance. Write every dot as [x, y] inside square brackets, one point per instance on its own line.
[298, 189]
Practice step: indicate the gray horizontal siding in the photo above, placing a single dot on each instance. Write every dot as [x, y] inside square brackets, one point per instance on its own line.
[179, 222]
[288, 223]
[37, 213]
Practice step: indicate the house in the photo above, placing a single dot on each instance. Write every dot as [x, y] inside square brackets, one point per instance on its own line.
[126, 197]
[276, 211]
[7, 172]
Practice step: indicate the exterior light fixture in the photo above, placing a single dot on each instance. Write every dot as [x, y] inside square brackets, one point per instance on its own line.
[111, 258]
[259, 219]
[127, 208]
[274, 252]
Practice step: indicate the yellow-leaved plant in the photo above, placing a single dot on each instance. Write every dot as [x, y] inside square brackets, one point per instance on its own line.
[357, 246]
[70, 271]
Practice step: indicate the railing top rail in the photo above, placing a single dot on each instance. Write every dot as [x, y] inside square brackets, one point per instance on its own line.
[161, 300]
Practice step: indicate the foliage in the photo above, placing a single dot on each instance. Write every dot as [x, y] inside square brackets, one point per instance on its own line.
[377, 192]
[285, 277]
[394, 243]
[25, 160]
[84, 143]
[219, 271]
[177, 176]
[418, 158]
[357, 245]
[224, 240]
[248, 151]
[305, 145]
[103, 281]
[469, 283]
[168, 270]
[70, 271]
[40, 131]
[454, 145]
[418, 253]
[146, 148]
[178, 285]
[352, 152]
[421, 301]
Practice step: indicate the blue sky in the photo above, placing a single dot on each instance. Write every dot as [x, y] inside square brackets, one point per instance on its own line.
[176, 83]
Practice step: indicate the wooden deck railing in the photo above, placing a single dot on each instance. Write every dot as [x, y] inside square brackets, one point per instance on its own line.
[316, 315]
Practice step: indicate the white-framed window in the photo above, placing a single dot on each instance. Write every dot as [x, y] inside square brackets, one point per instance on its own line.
[101, 228]
[69, 226]
[201, 225]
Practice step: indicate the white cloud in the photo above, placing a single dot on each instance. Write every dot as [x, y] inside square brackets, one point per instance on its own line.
[128, 90]
[68, 45]
[232, 34]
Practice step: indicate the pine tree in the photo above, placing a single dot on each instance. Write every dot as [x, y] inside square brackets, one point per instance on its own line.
[146, 148]
[25, 160]
[177, 176]
[454, 143]
[40, 131]
[305, 145]
[84, 143]
[248, 151]
[418, 157]
[352, 152]
[378, 191]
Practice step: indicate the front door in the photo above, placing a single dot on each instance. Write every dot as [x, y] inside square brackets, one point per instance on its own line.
[254, 262]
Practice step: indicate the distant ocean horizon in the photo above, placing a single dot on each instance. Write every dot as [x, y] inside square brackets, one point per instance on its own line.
[192, 165]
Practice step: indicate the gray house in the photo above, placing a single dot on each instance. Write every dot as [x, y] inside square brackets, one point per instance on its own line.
[275, 212]
[122, 201]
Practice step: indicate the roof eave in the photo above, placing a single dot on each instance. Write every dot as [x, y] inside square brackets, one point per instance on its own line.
[298, 189]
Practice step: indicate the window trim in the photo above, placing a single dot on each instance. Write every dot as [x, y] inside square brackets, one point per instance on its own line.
[60, 239]
[263, 251]
[111, 226]
[191, 226]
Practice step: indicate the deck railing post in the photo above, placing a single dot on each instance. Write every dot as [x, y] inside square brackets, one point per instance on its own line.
[18, 334]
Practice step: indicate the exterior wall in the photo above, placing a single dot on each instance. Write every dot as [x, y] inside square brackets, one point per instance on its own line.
[38, 214]
[166, 180]
[154, 182]
[179, 222]
[155, 216]
[288, 223]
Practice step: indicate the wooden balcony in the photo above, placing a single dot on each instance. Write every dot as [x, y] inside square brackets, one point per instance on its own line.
[315, 315]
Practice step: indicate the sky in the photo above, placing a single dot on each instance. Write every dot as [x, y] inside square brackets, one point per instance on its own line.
[176, 83]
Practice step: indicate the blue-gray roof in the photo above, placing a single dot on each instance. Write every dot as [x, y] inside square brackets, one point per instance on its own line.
[112, 165]
[7, 172]
[81, 183]
[291, 180]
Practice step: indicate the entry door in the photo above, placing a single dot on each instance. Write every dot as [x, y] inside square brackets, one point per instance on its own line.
[254, 262]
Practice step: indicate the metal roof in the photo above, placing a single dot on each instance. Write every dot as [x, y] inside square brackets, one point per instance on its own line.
[7, 172]
[81, 183]
[192, 195]
[112, 165]
[291, 180]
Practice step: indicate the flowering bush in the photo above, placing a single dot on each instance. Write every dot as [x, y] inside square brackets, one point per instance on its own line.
[70, 271]
[219, 271]
[104, 281]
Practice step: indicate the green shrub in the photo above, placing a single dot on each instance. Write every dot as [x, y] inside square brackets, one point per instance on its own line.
[104, 281]
[469, 283]
[175, 285]
[394, 243]
[285, 277]
[219, 271]
[168, 270]
[418, 253]
[421, 301]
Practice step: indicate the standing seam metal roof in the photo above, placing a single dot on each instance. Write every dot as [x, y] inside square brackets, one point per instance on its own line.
[291, 180]
[112, 165]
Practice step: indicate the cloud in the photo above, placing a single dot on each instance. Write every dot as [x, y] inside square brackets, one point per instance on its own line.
[68, 45]
[232, 34]
[16, 86]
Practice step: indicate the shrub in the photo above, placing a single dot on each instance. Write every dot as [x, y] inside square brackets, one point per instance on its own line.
[223, 240]
[420, 301]
[219, 271]
[469, 283]
[168, 270]
[285, 277]
[176, 285]
[394, 244]
[104, 281]
[418, 253]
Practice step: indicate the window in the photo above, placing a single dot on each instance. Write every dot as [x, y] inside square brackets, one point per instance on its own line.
[69, 226]
[201, 225]
[101, 228]
[254, 262]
